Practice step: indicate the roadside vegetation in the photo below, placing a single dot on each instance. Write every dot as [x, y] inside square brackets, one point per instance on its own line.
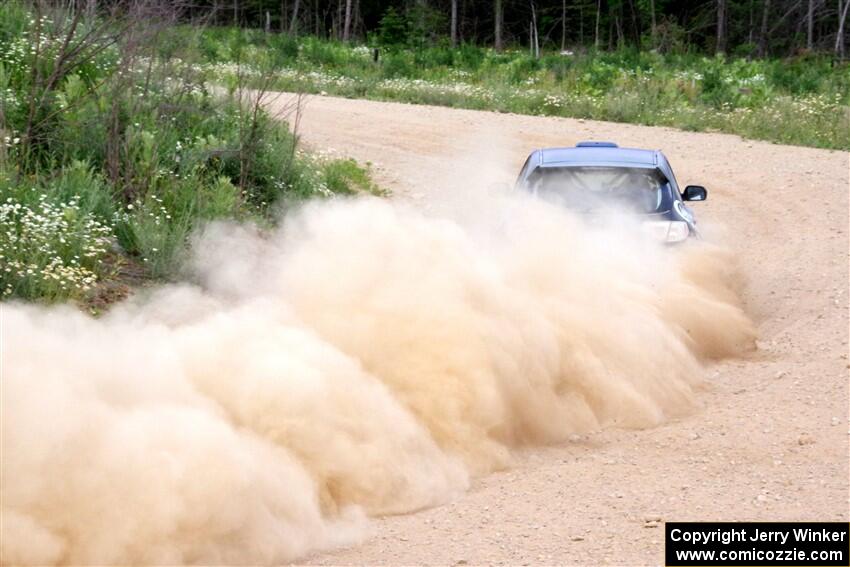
[127, 124]
[802, 100]
[113, 150]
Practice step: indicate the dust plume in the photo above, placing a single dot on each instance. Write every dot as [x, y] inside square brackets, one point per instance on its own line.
[363, 359]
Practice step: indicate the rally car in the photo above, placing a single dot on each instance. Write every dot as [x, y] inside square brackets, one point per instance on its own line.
[594, 177]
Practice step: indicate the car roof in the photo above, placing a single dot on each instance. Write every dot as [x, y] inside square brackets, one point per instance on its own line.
[598, 153]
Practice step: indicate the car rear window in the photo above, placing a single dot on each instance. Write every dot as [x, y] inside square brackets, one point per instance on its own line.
[591, 188]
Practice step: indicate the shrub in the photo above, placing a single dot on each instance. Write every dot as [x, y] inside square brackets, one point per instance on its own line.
[53, 236]
[396, 64]
[137, 160]
[676, 88]
[155, 230]
[392, 30]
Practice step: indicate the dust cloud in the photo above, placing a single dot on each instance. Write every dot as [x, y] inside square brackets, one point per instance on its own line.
[363, 359]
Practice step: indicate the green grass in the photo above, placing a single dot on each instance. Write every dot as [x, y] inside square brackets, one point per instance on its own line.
[803, 101]
[127, 165]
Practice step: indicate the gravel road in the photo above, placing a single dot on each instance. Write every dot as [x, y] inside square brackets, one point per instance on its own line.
[770, 439]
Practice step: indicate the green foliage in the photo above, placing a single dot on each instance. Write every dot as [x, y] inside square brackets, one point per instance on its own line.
[53, 235]
[345, 176]
[14, 20]
[136, 161]
[427, 25]
[802, 100]
[392, 30]
[397, 64]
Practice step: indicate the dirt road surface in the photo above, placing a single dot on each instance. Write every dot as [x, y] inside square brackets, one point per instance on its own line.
[770, 440]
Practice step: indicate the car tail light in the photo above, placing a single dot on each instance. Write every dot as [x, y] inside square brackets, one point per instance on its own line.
[667, 231]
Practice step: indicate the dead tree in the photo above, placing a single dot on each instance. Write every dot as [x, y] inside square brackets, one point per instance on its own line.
[839, 36]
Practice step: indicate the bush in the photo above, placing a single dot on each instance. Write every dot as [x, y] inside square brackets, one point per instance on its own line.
[396, 64]
[137, 160]
[392, 30]
[53, 236]
[344, 176]
[676, 88]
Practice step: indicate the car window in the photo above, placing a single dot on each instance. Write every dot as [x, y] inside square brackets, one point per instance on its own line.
[590, 188]
[524, 170]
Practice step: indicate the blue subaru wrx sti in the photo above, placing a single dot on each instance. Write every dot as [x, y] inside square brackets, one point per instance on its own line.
[597, 176]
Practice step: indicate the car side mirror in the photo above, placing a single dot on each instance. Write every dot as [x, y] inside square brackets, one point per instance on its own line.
[695, 193]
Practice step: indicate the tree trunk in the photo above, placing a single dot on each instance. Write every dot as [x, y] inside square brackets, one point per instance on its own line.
[618, 26]
[293, 24]
[454, 23]
[762, 47]
[497, 16]
[596, 32]
[839, 37]
[235, 12]
[356, 19]
[720, 46]
[462, 27]
[347, 26]
[337, 21]
[635, 24]
[534, 43]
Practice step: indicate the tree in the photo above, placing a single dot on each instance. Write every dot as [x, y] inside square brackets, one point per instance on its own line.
[293, 25]
[498, 15]
[839, 36]
[392, 30]
[533, 41]
[347, 26]
[596, 30]
[760, 27]
[762, 46]
[454, 24]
